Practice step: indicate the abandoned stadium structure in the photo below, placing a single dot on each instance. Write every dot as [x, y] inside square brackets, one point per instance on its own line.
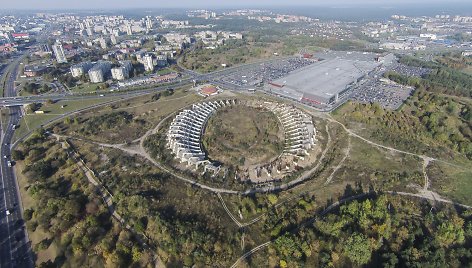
[300, 132]
[186, 130]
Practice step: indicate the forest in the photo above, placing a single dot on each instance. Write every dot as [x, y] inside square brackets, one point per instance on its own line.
[380, 231]
[441, 79]
[70, 213]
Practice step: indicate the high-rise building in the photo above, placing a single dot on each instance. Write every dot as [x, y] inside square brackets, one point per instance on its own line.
[127, 65]
[113, 39]
[103, 43]
[89, 31]
[99, 71]
[59, 53]
[148, 62]
[122, 72]
[79, 69]
[119, 73]
[129, 30]
[148, 23]
[161, 60]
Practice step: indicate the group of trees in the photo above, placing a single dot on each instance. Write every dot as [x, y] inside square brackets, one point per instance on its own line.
[35, 88]
[68, 210]
[441, 79]
[116, 125]
[379, 232]
[181, 221]
[428, 123]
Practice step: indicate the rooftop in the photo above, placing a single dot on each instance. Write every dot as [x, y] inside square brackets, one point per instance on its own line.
[326, 78]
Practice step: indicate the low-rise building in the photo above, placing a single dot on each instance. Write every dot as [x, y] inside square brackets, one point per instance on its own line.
[32, 71]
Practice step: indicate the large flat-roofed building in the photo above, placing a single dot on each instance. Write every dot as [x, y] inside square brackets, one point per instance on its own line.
[323, 82]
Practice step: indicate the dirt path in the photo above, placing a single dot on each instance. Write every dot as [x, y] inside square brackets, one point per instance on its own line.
[346, 155]
[107, 199]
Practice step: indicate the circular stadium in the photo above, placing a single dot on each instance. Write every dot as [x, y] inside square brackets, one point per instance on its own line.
[258, 140]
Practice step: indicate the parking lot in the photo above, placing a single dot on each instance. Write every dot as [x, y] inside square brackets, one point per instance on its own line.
[388, 94]
[409, 70]
[270, 71]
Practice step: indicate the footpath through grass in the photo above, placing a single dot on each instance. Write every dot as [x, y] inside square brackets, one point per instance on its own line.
[51, 111]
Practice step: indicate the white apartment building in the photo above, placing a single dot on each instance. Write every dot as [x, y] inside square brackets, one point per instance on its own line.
[59, 53]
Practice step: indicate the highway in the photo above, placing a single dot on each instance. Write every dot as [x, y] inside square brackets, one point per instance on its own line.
[15, 249]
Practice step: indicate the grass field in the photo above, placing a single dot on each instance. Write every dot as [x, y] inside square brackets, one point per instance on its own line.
[451, 181]
[243, 135]
[32, 121]
[86, 88]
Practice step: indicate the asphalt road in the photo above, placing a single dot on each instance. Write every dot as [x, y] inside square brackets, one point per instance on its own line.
[15, 250]
[13, 100]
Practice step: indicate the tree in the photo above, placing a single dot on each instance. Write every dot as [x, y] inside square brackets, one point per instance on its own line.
[28, 214]
[357, 249]
[17, 155]
[33, 107]
[45, 88]
[450, 232]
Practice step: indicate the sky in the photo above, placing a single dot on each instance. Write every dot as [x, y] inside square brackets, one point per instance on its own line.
[125, 4]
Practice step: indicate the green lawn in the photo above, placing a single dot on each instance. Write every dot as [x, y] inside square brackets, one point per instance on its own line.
[32, 121]
[451, 181]
[363, 154]
[86, 88]
[164, 71]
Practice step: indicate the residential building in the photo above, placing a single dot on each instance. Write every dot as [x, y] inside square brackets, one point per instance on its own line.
[59, 53]
[99, 71]
[119, 73]
[161, 60]
[148, 62]
[79, 69]
[103, 43]
[122, 72]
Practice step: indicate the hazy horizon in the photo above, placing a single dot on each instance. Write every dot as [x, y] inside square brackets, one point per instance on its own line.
[123, 4]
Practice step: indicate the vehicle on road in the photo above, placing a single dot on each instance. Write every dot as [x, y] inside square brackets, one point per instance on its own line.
[7, 212]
